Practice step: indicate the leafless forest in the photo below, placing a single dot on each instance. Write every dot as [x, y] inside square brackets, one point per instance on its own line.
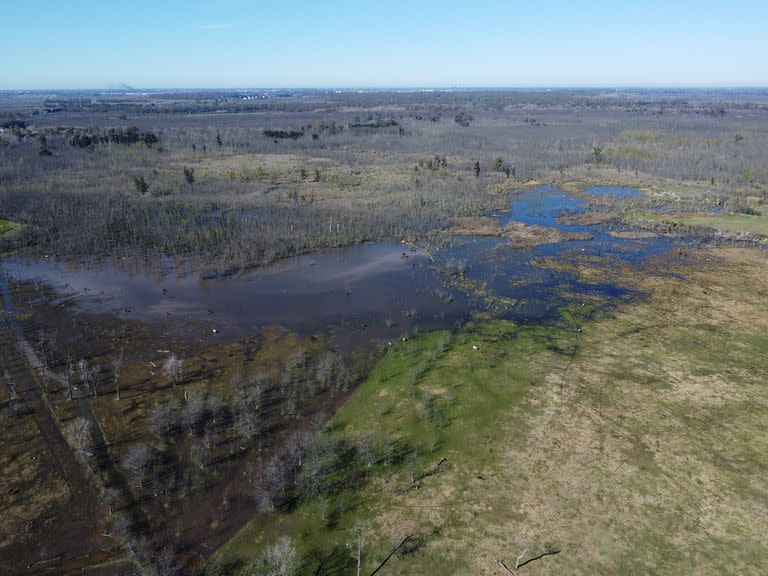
[246, 178]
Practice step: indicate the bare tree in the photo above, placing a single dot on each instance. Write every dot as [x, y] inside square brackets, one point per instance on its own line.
[195, 411]
[198, 453]
[346, 375]
[245, 406]
[320, 462]
[270, 484]
[117, 366]
[327, 365]
[172, 368]
[111, 497]
[95, 369]
[121, 527]
[359, 535]
[85, 373]
[365, 446]
[280, 558]
[78, 435]
[70, 372]
[47, 343]
[297, 446]
[294, 372]
[216, 408]
[136, 463]
[166, 563]
[160, 421]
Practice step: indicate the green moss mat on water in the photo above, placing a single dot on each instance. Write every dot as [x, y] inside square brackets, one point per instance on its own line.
[7, 227]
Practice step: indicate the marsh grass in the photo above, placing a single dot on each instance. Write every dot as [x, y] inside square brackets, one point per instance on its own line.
[634, 445]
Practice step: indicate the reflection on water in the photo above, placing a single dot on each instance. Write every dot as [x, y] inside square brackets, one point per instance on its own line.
[371, 291]
[376, 290]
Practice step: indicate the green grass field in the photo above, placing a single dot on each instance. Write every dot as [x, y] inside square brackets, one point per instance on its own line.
[756, 224]
[433, 396]
[736, 222]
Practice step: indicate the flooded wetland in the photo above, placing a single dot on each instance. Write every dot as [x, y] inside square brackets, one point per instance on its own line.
[382, 332]
[358, 295]
[355, 302]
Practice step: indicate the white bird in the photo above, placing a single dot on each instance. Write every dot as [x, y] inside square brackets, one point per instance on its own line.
[475, 348]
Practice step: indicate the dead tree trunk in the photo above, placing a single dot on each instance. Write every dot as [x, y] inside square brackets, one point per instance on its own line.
[393, 552]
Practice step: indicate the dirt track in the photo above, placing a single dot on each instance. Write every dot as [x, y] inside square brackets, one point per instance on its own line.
[84, 525]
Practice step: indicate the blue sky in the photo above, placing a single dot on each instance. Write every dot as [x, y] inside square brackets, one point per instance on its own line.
[397, 43]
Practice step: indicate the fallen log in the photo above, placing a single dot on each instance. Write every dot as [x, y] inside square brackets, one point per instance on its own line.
[393, 552]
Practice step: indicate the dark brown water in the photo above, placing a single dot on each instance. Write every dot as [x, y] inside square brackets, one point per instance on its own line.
[368, 291]
[374, 291]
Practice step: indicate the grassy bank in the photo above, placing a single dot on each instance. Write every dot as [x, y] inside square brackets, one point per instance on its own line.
[750, 223]
[634, 445]
[754, 225]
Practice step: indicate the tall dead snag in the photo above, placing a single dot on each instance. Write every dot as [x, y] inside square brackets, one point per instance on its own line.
[117, 365]
[359, 535]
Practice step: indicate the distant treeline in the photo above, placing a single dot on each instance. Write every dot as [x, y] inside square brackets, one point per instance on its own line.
[292, 134]
[701, 102]
[90, 137]
[373, 122]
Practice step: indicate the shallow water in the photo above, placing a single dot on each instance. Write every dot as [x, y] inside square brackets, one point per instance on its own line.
[372, 291]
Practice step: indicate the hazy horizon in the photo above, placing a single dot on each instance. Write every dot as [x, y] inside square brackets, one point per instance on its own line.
[383, 88]
[342, 44]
